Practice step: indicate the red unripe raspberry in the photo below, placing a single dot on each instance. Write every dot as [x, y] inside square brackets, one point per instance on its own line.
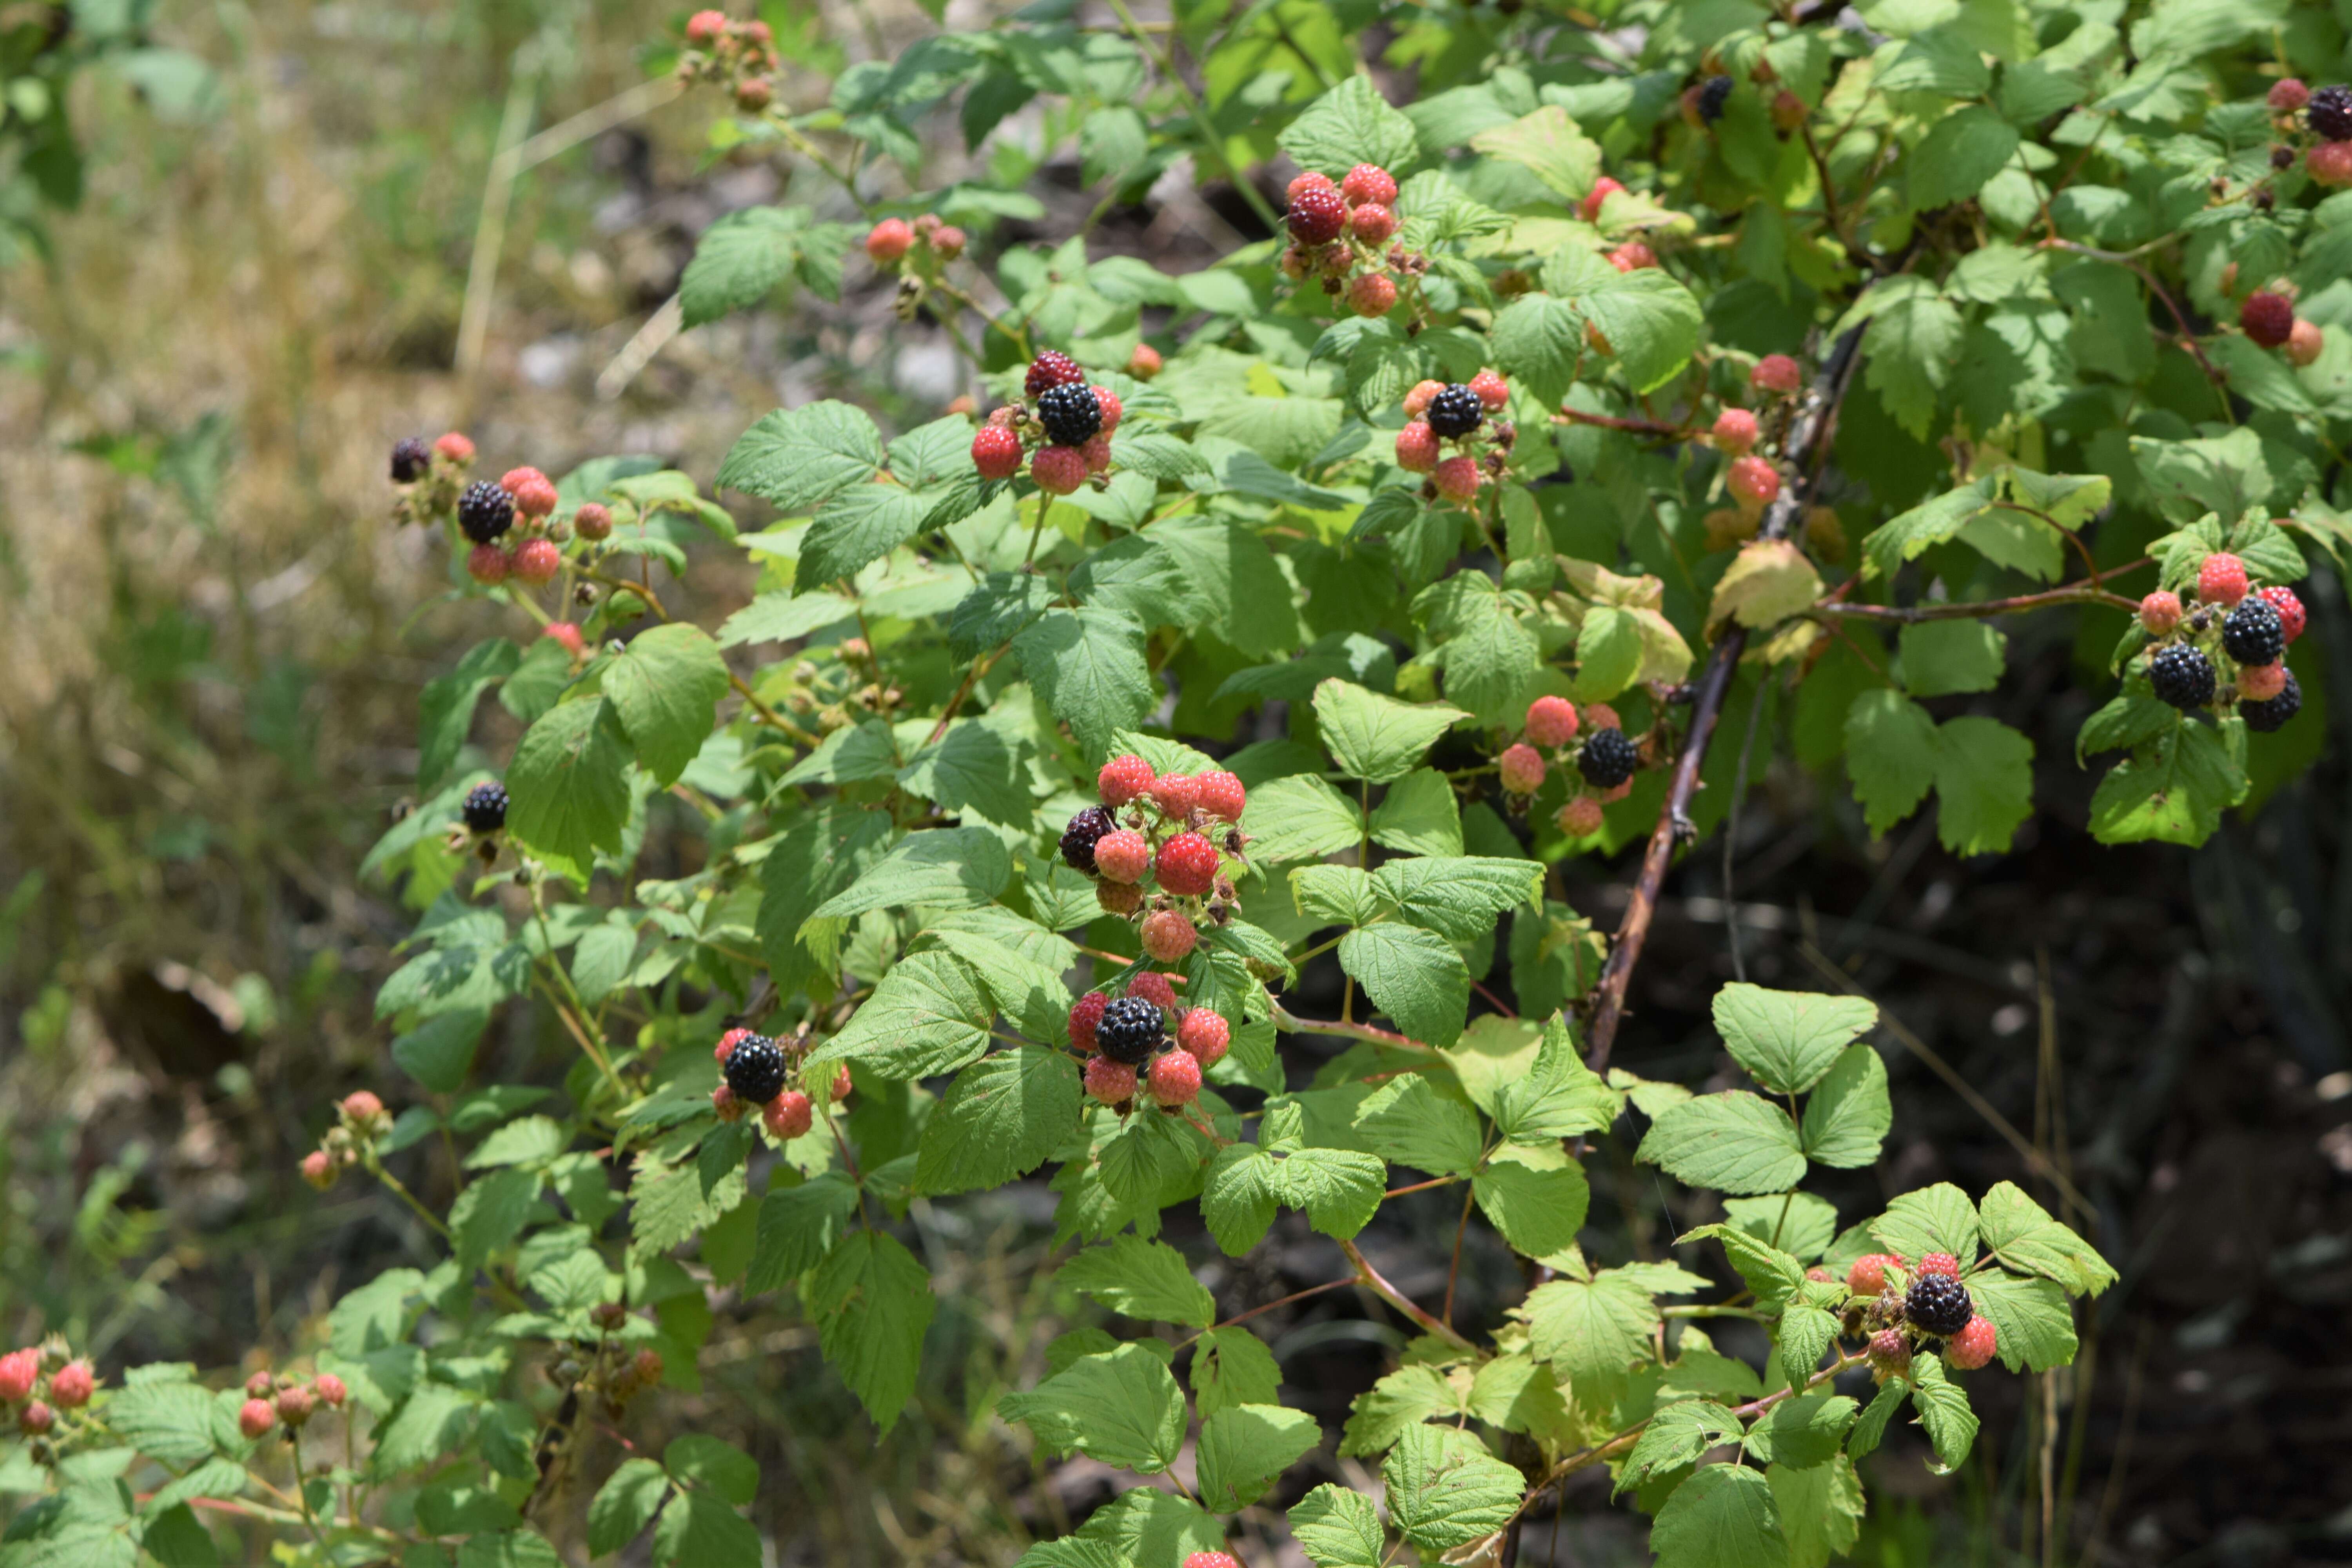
[889, 241]
[1416, 447]
[71, 1386]
[995, 452]
[1580, 818]
[537, 560]
[727, 1044]
[1776, 373]
[1155, 988]
[759, 32]
[1096, 453]
[1119, 897]
[566, 634]
[1317, 216]
[1373, 294]
[1176, 1078]
[1551, 721]
[1493, 391]
[730, 1108]
[1050, 368]
[488, 565]
[1868, 1274]
[1602, 189]
[360, 1105]
[535, 498]
[1457, 477]
[646, 1367]
[1187, 864]
[1221, 794]
[1972, 1347]
[1122, 779]
[1373, 223]
[2261, 682]
[1175, 794]
[754, 93]
[19, 1370]
[592, 522]
[514, 481]
[841, 1086]
[948, 241]
[1890, 1353]
[1084, 1014]
[706, 27]
[1370, 183]
[2221, 580]
[455, 448]
[788, 1116]
[1788, 112]
[2290, 610]
[331, 1391]
[1735, 431]
[1111, 1082]
[1168, 935]
[1205, 1034]
[2160, 611]
[38, 1418]
[1632, 255]
[1310, 180]
[2305, 343]
[1597, 340]
[317, 1169]
[1296, 262]
[2288, 95]
[1522, 767]
[1123, 856]
[1058, 470]
[1212, 1560]
[2267, 318]
[926, 226]
[1939, 1263]
[1753, 480]
[1113, 411]
[1144, 362]
[256, 1417]
[1420, 397]
[260, 1385]
[295, 1404]
[1600, 715]
[2330, 162]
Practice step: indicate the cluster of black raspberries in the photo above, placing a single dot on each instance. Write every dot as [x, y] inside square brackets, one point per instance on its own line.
[2230, 625]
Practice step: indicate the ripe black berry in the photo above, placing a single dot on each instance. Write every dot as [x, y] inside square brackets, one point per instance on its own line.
[2267, 716]
[1085, 831]
[1069, 414]
[755, 1069]
[2330, 113]
[2253, 633]
[1938, 1304]
[2182, 676]
[1052, 368]
[485, 808]
[1131, 1030]
[1456, 412]
[410, 457]
[1713, 94]
[485, 511]
[1608, 759]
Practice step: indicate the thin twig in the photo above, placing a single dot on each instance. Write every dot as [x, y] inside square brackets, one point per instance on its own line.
[1372, 1281]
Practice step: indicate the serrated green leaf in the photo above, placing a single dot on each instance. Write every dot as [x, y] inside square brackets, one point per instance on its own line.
[1730, 1143]
[1337, 1527]
[1849, 1115]
[1147, 1280]
[1723, 1516]
[1446, 1490]
[1788, 1040]
[568, 786]
[1002, 1117]
[1244, 1448]
[1122, 1408]
[871, 1302]
[796, 457]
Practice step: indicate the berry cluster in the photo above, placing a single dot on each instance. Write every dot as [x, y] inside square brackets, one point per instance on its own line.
[360, 1120]
[760, 1071]
[1436, 414]
[889, 241]
[431, 477]
[511, 527]
[2232, 626]
[287, 1399]
[2268, 318]
[68, 1386]
[1063, 429]
[1339, 234]
[1127, 1041]
[1175, 827]
[1602, 763]
[737, 55]
[2325, 116]
[1901, 1310]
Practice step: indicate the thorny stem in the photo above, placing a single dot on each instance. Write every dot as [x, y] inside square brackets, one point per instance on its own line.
[1284, 1019]
[1372, 1281]
[1454, 1270]
[1981, 609]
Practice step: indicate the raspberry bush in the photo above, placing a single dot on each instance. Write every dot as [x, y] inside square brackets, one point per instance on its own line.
[1522, 442]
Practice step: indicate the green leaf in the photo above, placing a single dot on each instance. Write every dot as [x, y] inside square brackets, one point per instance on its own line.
[1788, 1040]
[1940, 657]
[1725, 1516]
[1147, 1279]
[797, 1226]
[796, 457]
[1957, 155]
[855, 529]
[1547, 144]
[1460, 897]
[871, 1302]
[176, 1537]
[1300, 817]
[528, 1141]
[1805, 1333]
[1414, 976]
[1446, 1490]
[1233, 1366]
[1407, 1121]
[1374, 738]
[445, 708]
[1002, 1117]
[928, 1014]
[1243, 1449]
[2033, 1328]
[2173, 790]
[1891, 755]
[1773, 1276]
[433, 1420]
[700, 1529]
[1943, 1408]
[1146, 1525]
[1984, 784]
[739, 260]
[1539, 340]
[2021, 1235]
[940, 869]
[1348, 125]
[1417, 816]
[1872, 1424]
[625, 1505]
[168, 1422]
[1820, 1509]
[1337, 1527]
[1406, 1397]
[1595, 1330]
[1932, 523]
[1912, 345]
[1557, 1097]
[1933, 1219]
[697, 1459]
[1731, 1142]
[1088, 666]
[1676, 1435]
[489, 1214]
[1805, 1431]
[1796, 1223]
[1122, 1408]
[1538, 1208]
[568, 786]
[1848, 1114]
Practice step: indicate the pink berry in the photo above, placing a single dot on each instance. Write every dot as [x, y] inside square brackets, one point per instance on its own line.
[1119, 897]
[1123, 856]
[1522, 768]
[2160, 611]
[2288, 95]
[1317, 216]
[2221, 579]
[537, 560]
[360, 1105]
[1600, 715]
[1580, 818]
[2290, 610]
[1776, 373]
[71, 1386]
[1753, 480]
[1972, 1347]
[1058, 470]
[2330, 162]
[2305, 343]
[1457, 477]
[1602, 189]
[1221, 794]
[706, 27]
[1175, 794]
[889, 241]
[37, 1418]
[514, 479]
[1122, 779]
[1939, 1263]
[2267, 318]
[841, 1086]
[1890, 1353]
[1735, 431]
[1096, 453]
[1084, 1014]
[254, 1417]
[1310, 180]
[1632, 255]
[1212, 1560]
[317, 1169]
[1113, 410]
[535, 497]
[1373, 294]
[995, 452]
[592, 522]
[723, 1101]
[948, 241]
[1051, 368]
[1370, 183]
[727, 1044]
[1155, 988]
[331, 1391]
[566, 636]
[1867, 1277]
[1416, 447]
[456, 448]
[1111, 1082]
[19, 1370]
[295, 1404]
[1144, 362]
[1551, 721]
[788, 1116]
[1419, 398]
[1187, 864]
[1176, 1078]
[1205, 1034]
[488, 565]
[1373, 223]
[1168, 935]
[2261, 682]
[1493, 391]
[646, 1366]
[260, 1385]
